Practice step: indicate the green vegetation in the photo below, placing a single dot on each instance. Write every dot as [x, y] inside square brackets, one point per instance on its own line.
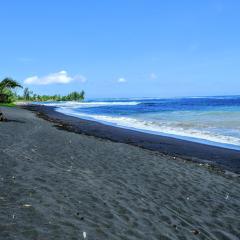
[8, 83]
[30, 96]
[7, 104]
[7, 96]
[6, 86]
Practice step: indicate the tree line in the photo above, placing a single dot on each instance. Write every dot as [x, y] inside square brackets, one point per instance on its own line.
[30, 96]
[7, 95]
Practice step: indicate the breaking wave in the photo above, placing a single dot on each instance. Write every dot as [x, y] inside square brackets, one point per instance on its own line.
[160, 127]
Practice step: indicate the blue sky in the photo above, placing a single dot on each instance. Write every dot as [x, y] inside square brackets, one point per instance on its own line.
[127, 48]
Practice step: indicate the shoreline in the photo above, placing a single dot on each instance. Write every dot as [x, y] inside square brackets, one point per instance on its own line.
[215, 156]
[162, 134]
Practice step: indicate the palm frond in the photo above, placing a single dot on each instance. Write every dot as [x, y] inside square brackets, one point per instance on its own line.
[8, 83]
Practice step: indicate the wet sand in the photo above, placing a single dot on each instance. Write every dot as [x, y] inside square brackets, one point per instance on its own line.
[57, 184]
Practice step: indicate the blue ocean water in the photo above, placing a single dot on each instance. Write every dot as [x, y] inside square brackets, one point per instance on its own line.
[210, 120]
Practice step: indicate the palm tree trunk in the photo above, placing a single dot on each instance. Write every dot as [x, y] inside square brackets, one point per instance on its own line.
[2, 118]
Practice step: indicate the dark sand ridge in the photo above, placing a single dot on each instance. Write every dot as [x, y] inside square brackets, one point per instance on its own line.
[57, 184]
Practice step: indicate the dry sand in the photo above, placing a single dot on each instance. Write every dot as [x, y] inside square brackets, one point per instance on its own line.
[56, 184]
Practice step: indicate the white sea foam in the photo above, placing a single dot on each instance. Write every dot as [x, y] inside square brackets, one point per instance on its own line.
[159, 127]
[74, 104]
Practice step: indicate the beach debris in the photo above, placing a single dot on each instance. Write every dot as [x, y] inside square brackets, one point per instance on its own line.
[84, 235]
[13, 216]
[175, 226]
[70, 169]
[26, 205]
[195, 232]
[227, 196]
[2, 118]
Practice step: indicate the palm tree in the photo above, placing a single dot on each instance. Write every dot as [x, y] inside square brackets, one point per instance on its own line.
[8, 83]
[5, 87]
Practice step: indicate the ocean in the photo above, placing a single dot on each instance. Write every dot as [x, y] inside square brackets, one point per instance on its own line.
[209, 120]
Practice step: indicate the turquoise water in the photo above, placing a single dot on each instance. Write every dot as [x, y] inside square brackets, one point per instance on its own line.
[210, 120]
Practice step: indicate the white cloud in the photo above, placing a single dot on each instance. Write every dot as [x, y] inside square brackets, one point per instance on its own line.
[61, 77]
[121, 80]
[153, 76]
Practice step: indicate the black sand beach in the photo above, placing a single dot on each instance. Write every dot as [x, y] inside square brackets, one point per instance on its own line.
[223, 158]
[57, 184]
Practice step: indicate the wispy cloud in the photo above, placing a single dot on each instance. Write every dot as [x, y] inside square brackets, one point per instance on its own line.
[122, 80]
[25, 60]
[61, 77]
[193, 47]
[153, 76]
[218, 6]
[80, 78]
